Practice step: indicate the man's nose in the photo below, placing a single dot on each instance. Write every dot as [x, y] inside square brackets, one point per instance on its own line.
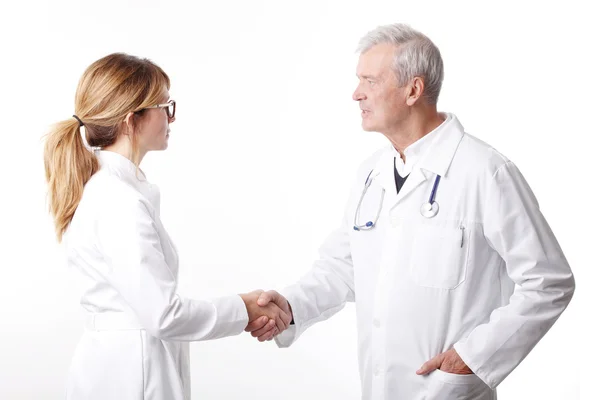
[358, 95]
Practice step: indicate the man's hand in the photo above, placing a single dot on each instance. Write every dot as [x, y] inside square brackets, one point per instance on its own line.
[269, 316]
[448, 361]
[262, 330]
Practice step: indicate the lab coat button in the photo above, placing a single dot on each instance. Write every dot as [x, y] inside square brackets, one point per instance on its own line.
[376, 323]
[377, 371]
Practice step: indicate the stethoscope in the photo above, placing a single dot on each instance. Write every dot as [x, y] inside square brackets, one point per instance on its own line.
[429, 209]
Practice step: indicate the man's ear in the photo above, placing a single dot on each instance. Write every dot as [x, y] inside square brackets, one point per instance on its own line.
[415, 89]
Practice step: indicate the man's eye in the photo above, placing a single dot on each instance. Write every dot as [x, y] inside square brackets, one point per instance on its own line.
[371, 82]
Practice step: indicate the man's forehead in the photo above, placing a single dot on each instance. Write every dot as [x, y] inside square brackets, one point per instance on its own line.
[373, 67]
[375, 60]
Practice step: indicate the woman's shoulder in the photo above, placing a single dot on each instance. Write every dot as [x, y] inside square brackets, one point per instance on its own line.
[109, 201]
[105, 191]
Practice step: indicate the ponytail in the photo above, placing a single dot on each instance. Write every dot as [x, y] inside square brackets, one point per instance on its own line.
[69, 164]
[109, 89]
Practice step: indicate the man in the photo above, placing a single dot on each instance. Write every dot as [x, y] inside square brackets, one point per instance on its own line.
[455, 273]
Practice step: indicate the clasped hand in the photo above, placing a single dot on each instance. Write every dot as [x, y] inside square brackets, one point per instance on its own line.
[269, 314]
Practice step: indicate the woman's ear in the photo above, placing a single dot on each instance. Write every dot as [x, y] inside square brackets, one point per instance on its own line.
[128, 121]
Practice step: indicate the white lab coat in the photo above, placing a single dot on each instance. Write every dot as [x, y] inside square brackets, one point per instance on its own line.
[486, 275]
[137, 328]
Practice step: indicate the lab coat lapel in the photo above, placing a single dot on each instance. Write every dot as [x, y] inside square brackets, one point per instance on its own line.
[435, 161]
[383, 173]
[384, 177]
[416, 178]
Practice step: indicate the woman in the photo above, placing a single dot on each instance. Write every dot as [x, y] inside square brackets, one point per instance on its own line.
[135, 345]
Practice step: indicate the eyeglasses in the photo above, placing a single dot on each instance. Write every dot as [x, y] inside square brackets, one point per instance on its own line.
[170, 106]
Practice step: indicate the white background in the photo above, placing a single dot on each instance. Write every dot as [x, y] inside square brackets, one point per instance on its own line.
[261, 157]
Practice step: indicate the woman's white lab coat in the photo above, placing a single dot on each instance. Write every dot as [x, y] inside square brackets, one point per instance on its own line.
[486, 275]
[135, 343]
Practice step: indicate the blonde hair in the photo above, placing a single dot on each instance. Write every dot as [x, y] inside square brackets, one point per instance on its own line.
[109, 89]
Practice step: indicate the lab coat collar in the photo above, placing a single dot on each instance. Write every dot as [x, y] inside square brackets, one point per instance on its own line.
[439, 155]
[127, 171]
[435, 160]
[119, 164]
[416, 150]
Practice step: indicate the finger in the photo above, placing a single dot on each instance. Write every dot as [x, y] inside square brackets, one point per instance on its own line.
[269, 335]
[280, 324]
[268, 327]
[284, 320]
[278, 317]
[287, 319]
[430, 365]
[265, 298]
[258, 323]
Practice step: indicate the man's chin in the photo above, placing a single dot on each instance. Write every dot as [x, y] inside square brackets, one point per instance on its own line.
[368, 127]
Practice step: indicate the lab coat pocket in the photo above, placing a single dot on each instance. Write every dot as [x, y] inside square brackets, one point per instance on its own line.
[439, 255]
[445, 386]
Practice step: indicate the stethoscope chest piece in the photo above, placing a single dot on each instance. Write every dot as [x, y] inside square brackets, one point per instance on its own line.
[430, 210]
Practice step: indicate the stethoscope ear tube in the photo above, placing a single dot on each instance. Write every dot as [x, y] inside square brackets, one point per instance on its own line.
[367, 183]
[369, 224]
[434, 191]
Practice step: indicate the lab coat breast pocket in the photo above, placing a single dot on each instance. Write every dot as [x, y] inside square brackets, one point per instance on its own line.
[439, 254]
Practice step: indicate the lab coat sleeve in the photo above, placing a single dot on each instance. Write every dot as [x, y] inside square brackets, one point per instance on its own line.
[325, 289]
[514, 226]
[129, 241]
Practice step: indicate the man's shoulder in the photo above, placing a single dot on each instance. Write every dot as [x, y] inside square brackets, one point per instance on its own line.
[477, 152]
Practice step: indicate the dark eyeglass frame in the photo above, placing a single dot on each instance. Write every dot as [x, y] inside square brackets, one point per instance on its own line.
[166, 105]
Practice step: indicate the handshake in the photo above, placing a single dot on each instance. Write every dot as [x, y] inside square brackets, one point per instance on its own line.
[269, 314]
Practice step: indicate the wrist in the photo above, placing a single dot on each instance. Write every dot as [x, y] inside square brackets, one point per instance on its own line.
[246, 300]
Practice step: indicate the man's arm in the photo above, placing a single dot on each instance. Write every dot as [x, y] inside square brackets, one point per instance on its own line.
[544, 284]
[318, 295]
[323, 291]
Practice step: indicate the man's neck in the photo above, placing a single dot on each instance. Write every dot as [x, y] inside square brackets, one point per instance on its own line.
[419, 124]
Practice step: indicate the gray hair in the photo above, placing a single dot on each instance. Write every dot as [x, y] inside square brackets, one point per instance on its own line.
[416, 56]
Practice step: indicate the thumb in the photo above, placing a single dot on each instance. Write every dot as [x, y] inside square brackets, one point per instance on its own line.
[431, 365]
[265, 298]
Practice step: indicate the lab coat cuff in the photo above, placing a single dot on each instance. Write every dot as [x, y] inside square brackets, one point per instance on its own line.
[232, 316]
[462, 350]
[289, 336]
[298, 312]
